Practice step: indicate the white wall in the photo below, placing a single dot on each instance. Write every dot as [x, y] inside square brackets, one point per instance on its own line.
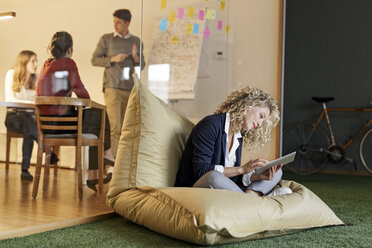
[255, 54]
[252, 47]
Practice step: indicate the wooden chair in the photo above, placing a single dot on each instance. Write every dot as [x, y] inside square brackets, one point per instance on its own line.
[10, 135]
[78, 140]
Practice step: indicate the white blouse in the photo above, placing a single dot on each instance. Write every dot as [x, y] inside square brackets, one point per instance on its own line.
[230, 155]
[24, 95]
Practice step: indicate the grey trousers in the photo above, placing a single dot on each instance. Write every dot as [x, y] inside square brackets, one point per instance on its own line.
[217, 180]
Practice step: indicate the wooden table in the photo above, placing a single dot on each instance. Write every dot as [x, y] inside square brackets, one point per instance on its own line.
[31, 105]
[17, 104]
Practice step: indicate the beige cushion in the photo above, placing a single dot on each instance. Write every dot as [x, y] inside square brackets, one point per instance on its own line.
[151, 144]
[210, 216]
[149, 151]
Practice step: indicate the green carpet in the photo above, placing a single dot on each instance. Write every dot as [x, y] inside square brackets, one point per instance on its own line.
[350, 197]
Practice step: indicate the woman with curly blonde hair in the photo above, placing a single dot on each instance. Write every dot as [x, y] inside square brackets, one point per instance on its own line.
[212, 156]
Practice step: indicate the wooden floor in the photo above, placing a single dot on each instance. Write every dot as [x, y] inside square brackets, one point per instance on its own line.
[59, 206]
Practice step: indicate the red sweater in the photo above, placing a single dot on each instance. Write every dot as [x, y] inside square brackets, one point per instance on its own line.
[59, 77]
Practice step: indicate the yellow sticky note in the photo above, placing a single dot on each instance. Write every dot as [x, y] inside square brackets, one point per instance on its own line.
[172, 16]
[188, 28]
[223, 4]
[209, 14]
[191, 12]
[227, 28]
[174, 40]
[163, 4]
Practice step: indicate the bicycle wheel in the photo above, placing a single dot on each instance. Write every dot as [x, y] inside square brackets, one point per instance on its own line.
[365, 150]
[311, 147]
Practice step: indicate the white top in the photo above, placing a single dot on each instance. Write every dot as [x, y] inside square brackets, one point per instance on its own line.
[24, 95]
[230, 155]
[127, 36]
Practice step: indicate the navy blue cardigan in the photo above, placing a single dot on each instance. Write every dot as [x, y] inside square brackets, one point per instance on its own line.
[204, 149]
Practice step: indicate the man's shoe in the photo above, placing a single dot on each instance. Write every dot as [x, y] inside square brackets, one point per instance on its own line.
[280, 191]
[25, 175]
[108, 161]
[53, 158]
[91, 183]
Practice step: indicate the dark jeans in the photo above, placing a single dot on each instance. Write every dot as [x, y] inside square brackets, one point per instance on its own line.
[23, 122]
[91, 124]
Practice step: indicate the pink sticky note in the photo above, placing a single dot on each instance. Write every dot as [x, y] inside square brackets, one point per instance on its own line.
[206, 32]
[219, 25]
[201, 15]
[180, 13]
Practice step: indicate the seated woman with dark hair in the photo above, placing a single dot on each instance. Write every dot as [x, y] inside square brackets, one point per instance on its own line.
[60, 77]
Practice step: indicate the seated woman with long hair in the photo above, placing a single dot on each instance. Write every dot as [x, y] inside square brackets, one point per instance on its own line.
[60, 77]
[20, 87]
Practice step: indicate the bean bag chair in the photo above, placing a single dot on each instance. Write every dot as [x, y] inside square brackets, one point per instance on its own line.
[150, 148]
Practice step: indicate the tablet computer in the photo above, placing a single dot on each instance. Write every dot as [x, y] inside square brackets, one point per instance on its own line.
[282, 160]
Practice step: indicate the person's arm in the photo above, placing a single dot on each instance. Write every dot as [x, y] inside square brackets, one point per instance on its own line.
[76, 84]
[135, 55]
[245, 168]
[9, 93]
[99, 57]
[204, 139]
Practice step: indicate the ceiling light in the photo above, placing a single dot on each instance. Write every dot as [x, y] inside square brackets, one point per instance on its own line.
[7, 15]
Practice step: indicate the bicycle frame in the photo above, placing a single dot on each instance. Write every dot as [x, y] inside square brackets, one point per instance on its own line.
[325, 113]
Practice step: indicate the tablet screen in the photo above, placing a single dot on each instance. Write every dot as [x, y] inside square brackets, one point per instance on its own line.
[282, 160]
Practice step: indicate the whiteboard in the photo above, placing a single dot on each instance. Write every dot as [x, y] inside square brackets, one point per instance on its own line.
[174, 59]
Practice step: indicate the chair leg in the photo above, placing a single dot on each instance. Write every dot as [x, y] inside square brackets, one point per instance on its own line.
[56, 151]
[100, 167]
[37, 171]
[46, 168]
[7, 151]
[79, 174]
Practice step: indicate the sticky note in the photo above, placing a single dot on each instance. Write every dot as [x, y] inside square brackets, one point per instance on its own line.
[223, 4]
[227, 28]
[219, 25]
[195, 29]
[201, 15]
[188, 28]
[180, 13]
[206, 32]
[163, 24]
[174, 40]
[209, 14]
[172, 16]
[163, 4]
[191, 12]
[213, 14]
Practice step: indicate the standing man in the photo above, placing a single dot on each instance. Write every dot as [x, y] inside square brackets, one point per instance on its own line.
[118, 53]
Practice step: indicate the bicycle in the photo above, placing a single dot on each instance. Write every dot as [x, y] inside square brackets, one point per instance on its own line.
[315, 146]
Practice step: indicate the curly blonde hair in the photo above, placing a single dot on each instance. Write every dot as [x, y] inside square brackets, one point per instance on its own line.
[239, 102]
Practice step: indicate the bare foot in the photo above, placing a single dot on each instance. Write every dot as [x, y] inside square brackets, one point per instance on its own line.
[108, 155]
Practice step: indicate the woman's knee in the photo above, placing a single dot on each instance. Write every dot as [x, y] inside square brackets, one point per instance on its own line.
[209, 179]
[213, 177]
[279, 174]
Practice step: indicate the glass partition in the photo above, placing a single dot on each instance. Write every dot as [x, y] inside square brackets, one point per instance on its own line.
[185, 47]
[195, 51]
